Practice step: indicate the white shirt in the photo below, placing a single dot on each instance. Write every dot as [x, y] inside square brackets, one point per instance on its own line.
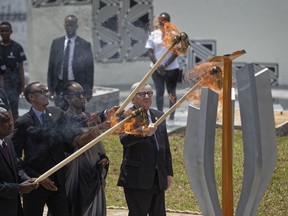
[149, 116]
[70, 61]
[1, 141]
[38, 114]
[155, 42]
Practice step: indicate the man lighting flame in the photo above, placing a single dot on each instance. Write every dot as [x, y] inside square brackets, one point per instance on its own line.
[133, 126]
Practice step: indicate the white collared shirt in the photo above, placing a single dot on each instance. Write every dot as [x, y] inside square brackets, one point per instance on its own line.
[149, 116]
[38, 114]
[70, 61]
[1, 141]
[155, 42]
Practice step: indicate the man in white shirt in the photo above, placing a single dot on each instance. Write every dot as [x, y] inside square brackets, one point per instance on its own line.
[168, 72]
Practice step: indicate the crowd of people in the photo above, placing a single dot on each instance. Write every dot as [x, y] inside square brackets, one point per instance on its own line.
[33, 143]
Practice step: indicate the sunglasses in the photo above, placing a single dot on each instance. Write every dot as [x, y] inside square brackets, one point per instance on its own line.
[42, 91]
[77, 94]
[143, 94]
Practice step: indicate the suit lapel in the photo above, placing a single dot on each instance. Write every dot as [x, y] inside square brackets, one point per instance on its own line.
[155, 137]
[61, 46]
[10, 164]
[3, 155]
[153, 117]
[35, 121]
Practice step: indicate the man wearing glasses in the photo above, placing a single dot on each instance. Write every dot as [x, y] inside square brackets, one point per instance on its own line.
[71, 59]
[146, 169]
[38, 135]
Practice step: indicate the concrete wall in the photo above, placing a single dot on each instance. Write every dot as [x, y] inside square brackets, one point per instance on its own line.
[258, 26]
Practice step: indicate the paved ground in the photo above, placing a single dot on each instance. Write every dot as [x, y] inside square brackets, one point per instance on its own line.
[114, 211]
[124, 212]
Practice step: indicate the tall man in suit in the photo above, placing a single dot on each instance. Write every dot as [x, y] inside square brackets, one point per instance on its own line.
[70, 59]
[146, 169]
[38, 134]
[10, 187]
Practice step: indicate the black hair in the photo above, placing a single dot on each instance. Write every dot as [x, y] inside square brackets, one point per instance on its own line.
[72, 16]
[165, 16]
[65, 90]
[27, 90]
[7, 23]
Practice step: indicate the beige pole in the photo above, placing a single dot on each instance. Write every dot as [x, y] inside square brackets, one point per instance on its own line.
[86, 147]
[175, 40]
[180, 101]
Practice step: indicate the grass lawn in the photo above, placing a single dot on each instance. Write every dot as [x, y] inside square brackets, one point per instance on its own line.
[180, 195]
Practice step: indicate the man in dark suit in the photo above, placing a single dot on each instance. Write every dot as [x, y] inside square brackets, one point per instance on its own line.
[10, 187]
[74, 63]
[38, 134]
[146, 169]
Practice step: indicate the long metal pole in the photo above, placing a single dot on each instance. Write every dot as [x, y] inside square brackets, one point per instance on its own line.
[148, 75]
[227, 151]
[84, 148]
[180, 101]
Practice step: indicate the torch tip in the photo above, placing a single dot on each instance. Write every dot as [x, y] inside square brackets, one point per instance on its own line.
[214, 70]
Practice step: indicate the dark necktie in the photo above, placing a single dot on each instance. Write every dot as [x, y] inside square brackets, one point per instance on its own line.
[66, 62]
[6, 152]
[44, 120]
[145, 119]
[149, 120]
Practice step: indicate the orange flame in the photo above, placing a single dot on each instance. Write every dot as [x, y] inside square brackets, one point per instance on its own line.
[170, 31]
[202, 73]
[133, 126]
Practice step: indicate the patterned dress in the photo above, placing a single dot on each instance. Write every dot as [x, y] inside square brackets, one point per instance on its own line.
[85, 178]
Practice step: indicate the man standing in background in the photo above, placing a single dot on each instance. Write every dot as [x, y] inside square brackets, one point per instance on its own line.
[70, 59]
[167, 73]
[13, 57]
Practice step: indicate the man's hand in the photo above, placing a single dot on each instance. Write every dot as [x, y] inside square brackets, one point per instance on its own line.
[104, 162]
[93, 119]
[161, 70]
[110, 112]
[28, 186]
[169, 181]
[49, 185]
[150, 130]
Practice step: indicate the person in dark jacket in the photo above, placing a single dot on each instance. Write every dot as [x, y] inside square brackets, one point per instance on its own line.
[13, 56]
[74, 63]
[38, 134]
[146, 169]
[10, 186]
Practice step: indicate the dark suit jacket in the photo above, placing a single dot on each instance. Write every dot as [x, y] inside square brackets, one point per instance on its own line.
[43, 148]
[9, 186]
[141, 157]
[83, 64]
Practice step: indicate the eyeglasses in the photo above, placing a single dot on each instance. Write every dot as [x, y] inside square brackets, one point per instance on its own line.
[143, 94]
[77, 94]
[42, 91]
